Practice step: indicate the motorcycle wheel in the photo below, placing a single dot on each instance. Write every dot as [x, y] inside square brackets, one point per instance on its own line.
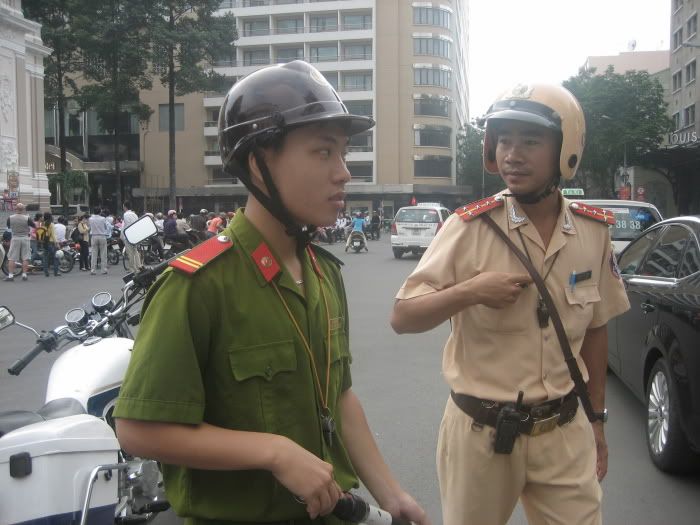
[5, 267]
[66, 264]
[150, 258]
[113, 257]
[125, 261]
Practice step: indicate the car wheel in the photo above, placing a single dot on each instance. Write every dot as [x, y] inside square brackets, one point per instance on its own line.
[667, 444]
[397, 253]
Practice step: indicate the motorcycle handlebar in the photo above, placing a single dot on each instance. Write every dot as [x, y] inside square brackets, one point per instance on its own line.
[27, 358]
[354, 509]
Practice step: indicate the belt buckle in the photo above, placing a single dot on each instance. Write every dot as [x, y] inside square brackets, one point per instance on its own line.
[542, 426]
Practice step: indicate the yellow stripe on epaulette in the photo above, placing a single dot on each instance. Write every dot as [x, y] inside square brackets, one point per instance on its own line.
[201, 255]
[592, 212]
[474, 209]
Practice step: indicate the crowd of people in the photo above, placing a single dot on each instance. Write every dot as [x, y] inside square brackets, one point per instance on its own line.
[40, 237]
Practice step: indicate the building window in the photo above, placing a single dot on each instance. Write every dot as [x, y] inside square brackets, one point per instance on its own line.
[357, 81]
[432, 166]
[432, 106]
[436, 47]
[431, 16]
[285, 26]
[324, 23]
[677, 80]
[332, 77]
[676, 120]
[360, 171]
[356, 21]
[677, 4]
[325, 53]
[357, 51]
[359, 107]
[692, 25]
[361, 142]
[689, 115]
[287, 54]
[678, 38]
[425, 76]
[436, 136]
[690, 71]
[256, 57]
[256, 27]
[164, 120]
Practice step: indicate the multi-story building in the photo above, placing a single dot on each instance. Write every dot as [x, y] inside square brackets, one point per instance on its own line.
[681, 152]
[22, 167]
[403, 62]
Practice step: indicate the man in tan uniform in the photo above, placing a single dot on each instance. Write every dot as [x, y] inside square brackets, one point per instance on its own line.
[503, 345]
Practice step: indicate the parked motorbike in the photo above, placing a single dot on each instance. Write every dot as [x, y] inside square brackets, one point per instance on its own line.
[36, 261]
[357, 242]
[115, 246]
[63, 463]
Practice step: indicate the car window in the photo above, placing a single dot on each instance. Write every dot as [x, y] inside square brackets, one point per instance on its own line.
[630, 221]
[632, 257]
[445, 215]
[691, 260]
[417, 215]
[665, 257]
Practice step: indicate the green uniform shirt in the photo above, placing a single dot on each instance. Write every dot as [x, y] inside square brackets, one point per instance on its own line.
[219, 347]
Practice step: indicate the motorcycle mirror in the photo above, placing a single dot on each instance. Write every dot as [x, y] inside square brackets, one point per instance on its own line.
[7, 318]
[76, 318]
[140, 230]
[102, 301]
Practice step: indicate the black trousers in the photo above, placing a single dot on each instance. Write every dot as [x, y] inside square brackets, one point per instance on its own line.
[84, 255]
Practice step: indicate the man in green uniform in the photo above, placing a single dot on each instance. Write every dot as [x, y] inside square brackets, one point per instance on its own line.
[240, 378]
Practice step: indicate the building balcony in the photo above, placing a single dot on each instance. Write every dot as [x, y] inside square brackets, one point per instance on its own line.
[245, 34]
[237, 4]
[213, 99]
[212, 158]
[211, 128]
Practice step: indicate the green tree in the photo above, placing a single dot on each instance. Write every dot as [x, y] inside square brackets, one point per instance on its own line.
[186, 38]
[55, 18]
[470, 164]
[66, 182]
[625, 118]
[114, 44]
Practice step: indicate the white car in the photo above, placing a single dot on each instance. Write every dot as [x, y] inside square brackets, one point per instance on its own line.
[415, 226]
[631, 219]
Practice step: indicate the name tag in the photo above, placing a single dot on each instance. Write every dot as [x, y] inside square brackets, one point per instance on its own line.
[583, 276]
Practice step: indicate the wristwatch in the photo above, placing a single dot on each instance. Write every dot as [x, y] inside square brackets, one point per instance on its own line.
[601, 416]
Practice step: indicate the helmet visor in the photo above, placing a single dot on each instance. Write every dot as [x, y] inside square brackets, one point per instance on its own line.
[525, 111]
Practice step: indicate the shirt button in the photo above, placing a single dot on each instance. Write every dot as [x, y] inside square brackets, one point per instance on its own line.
[544, 376]
[268, 371]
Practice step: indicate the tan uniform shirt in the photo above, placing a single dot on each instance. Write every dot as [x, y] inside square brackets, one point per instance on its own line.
[494, 353]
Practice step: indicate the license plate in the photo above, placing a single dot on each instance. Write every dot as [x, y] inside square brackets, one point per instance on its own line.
[166, 246]
[356, 243]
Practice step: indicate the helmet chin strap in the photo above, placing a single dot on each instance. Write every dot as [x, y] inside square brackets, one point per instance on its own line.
[534, 197]
[272, 202]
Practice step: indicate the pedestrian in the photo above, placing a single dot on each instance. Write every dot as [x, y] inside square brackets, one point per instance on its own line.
[133, 258]
[213, 225]
[246, 397]
[99, 230]
[20, 247]
[84, 240]
[199, 223]
[38, 218]
[50, 245]
[60, 229]
[512, 428]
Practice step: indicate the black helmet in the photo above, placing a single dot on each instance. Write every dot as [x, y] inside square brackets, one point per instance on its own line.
[267, 104]
[274, 99]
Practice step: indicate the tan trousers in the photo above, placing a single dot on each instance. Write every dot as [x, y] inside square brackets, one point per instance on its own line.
[553, 474]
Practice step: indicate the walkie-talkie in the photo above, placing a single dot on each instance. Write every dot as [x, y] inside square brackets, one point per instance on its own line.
[507, 422]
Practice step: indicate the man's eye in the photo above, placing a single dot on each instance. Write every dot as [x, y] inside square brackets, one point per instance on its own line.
[532, 142]
[324, 153]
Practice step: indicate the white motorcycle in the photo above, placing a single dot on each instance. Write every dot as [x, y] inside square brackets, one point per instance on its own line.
[62, 463]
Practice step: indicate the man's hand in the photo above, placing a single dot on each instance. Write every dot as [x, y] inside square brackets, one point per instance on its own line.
[307, 477]
[601, 448]
[498, 290]
[405, 507]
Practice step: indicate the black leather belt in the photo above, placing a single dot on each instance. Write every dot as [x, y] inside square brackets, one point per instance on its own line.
[537, 419]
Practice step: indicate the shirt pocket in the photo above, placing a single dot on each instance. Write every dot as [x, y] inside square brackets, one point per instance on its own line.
[511, 319]
[581, 301]
[266, 377]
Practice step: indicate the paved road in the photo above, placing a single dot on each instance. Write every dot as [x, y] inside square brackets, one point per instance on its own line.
[397, 377]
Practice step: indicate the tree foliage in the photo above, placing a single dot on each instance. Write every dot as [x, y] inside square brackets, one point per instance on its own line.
[470, 166]
[56, 33]
[67, 182]
[186, 38]
[114, 45]
[625, 118]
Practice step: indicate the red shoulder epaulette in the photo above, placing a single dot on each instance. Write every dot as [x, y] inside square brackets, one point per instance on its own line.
[474, 209]
[198, 257]
[597, 214]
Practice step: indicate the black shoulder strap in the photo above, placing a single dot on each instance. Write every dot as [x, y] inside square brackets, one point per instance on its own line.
[328, 255]
[579, 385]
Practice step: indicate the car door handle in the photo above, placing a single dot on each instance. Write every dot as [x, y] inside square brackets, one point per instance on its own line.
[647, 308]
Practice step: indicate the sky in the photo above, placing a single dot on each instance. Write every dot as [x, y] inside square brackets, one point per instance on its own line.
[519, 41]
